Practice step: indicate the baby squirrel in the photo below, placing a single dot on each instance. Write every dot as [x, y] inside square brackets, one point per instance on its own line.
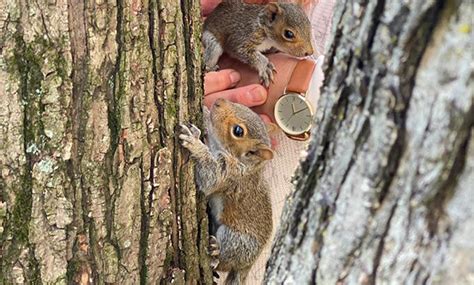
[230, 173]
[244, 31]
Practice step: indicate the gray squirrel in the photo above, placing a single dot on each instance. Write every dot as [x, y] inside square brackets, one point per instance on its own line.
[229, 170]
[245, 31]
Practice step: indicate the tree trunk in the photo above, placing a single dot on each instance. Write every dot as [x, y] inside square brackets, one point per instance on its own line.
[93, 186]
[385, 194]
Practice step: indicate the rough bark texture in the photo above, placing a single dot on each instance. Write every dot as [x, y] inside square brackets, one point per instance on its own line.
[93, 188]
[385, 194]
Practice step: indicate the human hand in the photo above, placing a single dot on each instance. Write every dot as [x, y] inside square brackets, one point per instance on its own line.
[284, 65]
[239, 83]
[220, 84]
[208, 5]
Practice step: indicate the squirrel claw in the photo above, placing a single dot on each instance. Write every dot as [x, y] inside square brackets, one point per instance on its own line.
[189, 131]
[189, 137]
[213, 251]
[195, 131]
[215, 275]
[267, 75]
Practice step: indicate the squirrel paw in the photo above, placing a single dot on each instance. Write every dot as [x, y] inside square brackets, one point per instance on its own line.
[190, 138]
[214, 251]
[266, 75]
[195, 131]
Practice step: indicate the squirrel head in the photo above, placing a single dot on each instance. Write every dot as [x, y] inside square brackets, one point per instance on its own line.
[289, 27]
[241, 132]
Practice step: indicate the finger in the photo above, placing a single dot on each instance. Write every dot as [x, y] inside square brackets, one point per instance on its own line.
[273, 139]
[266, 118]
[216, 81]
[208, 5]
[250, 95]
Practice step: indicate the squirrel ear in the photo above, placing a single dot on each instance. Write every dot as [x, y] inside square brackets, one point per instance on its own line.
[273, 10]
[264, 152]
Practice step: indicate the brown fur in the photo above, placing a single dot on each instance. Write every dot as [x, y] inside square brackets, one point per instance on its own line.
[249, 211]
[230, 172]
[244, 31]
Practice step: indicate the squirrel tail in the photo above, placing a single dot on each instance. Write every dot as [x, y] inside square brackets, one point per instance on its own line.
[237, 277]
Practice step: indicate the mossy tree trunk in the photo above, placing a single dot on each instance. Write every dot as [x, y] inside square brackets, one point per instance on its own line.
[385, 194]
[93, 184]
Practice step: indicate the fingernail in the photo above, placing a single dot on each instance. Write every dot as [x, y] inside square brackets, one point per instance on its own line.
[234, 77]
[256, 95]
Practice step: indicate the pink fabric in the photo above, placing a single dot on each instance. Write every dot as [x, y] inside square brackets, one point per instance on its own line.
[321, 20]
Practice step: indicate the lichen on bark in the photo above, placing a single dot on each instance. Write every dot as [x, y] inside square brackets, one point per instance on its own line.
[92, 179]
[374, 200]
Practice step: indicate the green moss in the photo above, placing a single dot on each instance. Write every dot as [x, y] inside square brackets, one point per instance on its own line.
[59, 60]
[171, 108]
[25, 65]
[111, 263]
[35, 273]
[117, 84]
[22, 211]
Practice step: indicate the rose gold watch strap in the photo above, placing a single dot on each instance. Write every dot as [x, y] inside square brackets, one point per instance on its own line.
[301, 77]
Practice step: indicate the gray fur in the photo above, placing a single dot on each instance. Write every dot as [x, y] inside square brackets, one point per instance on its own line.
[239, 200]
[244, 31]
[212, 50]
[232, 244]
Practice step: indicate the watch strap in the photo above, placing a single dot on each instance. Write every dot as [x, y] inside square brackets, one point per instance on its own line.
[301, 76]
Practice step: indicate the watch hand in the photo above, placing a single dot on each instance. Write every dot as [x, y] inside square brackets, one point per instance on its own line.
[300, 110]
[293, 107]
[289, 119]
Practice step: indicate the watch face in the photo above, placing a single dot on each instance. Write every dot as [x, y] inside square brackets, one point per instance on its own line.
[293, 114]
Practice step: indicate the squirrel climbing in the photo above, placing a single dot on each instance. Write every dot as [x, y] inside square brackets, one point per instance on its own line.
[245, 31]
[229, 170]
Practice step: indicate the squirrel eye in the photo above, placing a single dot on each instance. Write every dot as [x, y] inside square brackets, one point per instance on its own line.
[288, 34]
[238, 131]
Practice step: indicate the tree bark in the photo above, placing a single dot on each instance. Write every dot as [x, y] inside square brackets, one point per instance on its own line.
[93, 187]
[385, 194]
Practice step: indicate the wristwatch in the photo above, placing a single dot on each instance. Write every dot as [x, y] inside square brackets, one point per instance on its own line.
[293, 112]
